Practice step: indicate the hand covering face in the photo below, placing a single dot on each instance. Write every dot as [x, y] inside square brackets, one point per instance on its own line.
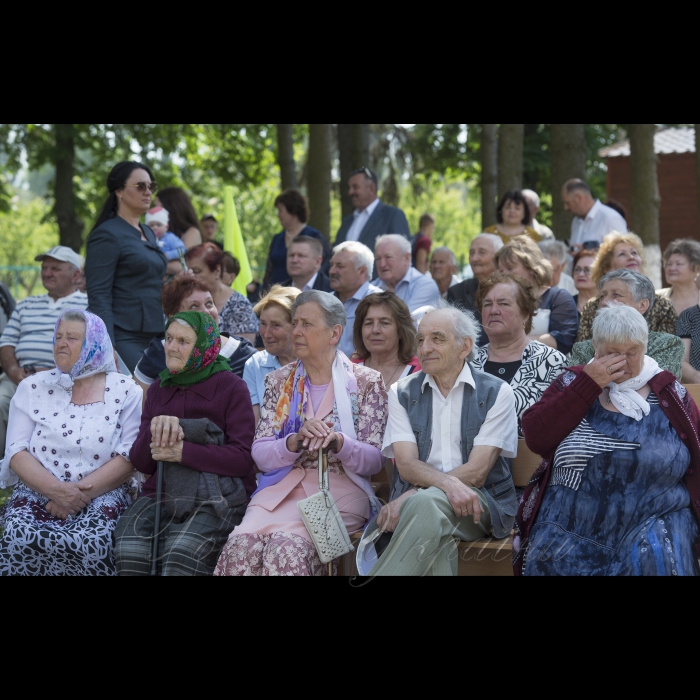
[204, 360]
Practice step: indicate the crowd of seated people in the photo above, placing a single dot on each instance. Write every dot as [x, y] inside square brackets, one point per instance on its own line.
[197, 464]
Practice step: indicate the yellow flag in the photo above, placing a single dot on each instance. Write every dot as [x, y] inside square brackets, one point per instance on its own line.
[233, 243]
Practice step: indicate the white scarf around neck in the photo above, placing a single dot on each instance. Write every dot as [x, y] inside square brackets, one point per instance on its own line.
[625, 396]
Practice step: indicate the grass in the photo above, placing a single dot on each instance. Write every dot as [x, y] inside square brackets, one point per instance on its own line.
[4, 496]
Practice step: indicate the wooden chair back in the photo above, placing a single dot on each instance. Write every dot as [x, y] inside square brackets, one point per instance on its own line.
[694, 391]
[524, 464]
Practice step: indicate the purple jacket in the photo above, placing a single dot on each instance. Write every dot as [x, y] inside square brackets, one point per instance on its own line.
[225, 400]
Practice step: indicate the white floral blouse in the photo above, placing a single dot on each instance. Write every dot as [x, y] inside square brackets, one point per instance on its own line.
[71, 441]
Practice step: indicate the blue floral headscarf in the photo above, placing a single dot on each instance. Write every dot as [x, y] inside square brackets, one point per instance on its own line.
[97, 354]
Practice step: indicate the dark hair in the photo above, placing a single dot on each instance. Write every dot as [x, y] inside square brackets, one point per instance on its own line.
[313, 243]
[116, 180]
[231, 264]
[369, 175]
[404, 323]
[212, 255]
[686, 247]
[426, 219]
[180, 209]
[177, 290]
[209, 217]
[524, 293]
[614, 204]
[295, 203]
[512, 196]
[577, 184]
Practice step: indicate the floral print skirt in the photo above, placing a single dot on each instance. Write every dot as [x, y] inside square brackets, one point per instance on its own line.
[34, 543]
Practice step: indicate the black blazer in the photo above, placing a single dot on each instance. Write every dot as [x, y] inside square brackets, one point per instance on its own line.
[463, 295]
[125, 277]
[322, 283]
[384, 219]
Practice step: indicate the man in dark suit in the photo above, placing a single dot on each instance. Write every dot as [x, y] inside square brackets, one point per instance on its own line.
[371, 217]
[304, 259]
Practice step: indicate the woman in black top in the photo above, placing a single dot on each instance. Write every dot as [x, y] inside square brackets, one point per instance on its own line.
[124, 266]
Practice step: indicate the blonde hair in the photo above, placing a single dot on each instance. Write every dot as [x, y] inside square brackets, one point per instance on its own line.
[603, 261]
[525, 251]
[280, 296]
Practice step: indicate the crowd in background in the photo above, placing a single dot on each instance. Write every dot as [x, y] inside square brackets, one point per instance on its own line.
[335, 349]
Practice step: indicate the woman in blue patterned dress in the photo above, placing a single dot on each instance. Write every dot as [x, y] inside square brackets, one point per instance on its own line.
[618, 491]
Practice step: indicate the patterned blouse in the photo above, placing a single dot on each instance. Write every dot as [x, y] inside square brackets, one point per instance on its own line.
[372, 404]
[541, 365]
[688, 326]
[238, 316]
[661, 318]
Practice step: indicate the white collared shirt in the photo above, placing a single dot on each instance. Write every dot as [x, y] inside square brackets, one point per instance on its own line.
[500, 429]
[310, 284]
[599, 222]
[361, 219]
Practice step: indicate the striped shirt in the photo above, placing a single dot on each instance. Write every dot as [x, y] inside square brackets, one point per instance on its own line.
[30, 328]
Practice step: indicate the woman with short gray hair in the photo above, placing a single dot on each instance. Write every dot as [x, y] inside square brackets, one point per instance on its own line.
[619, 491]
[308, 404]
[634, 289]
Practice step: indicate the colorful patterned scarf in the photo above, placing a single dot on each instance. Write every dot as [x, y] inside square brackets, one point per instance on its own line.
[97, 354]
[204, 360]
[292, 403]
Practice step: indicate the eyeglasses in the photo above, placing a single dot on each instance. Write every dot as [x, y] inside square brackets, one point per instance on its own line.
[143, 186]
[585, 270]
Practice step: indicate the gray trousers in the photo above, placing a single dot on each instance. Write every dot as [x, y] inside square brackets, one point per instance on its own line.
[426, 538]
[7, 391]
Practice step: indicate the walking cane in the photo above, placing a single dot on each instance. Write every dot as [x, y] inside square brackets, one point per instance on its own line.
[156, 529]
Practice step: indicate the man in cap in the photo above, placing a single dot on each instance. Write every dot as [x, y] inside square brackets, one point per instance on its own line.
[26, 344]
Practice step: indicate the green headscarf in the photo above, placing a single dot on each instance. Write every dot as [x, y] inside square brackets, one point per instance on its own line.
[204, 359]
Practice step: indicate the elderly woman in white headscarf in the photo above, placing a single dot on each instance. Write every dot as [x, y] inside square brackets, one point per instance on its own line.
[319, 398]
[68, 440]
[619, 491]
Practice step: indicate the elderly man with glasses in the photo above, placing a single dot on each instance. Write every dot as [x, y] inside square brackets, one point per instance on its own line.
[371, 218]
[451, 430]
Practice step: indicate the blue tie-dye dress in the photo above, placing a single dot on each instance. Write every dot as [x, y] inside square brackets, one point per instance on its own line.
[616, 504]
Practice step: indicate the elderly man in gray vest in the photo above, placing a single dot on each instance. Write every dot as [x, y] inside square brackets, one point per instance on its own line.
[451, 430]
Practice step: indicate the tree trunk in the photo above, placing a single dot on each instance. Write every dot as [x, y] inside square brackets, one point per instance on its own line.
[361, 145]
[285, 156]
[568, 160]
[353, 153]
[489, 174]
[510, 157]
[70, 225]
[644, 196]
[319, 177]
[697, 166]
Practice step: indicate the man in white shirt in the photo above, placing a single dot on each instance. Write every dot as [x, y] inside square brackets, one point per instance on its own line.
[450, 429]
[304, 259]
[593, 221]
[533, 205]
[558, 255]
[26, 344]
[371, 217]
[351, 266]
[392, 257]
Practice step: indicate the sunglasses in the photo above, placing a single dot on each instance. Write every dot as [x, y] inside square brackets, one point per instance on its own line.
[143, 186]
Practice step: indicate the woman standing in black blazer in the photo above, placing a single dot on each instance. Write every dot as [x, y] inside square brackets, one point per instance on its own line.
[124, 267]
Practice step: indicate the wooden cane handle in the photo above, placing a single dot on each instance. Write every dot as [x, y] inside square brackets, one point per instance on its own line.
[332, 446]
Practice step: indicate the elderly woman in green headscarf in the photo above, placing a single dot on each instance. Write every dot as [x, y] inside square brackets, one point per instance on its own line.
[196, 384]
